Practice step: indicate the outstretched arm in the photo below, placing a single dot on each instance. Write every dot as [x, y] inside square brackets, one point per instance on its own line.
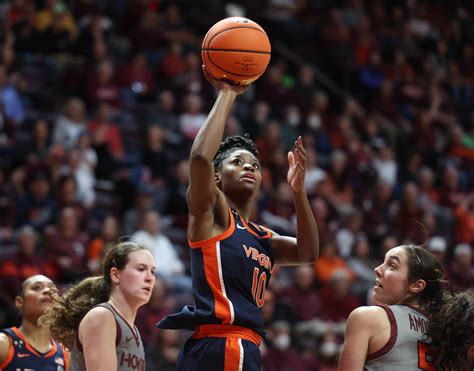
[202, 192]
[305, 247]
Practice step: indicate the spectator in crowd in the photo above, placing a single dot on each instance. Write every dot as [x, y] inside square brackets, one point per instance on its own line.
[280, 354]
[461, 270]
[13, 111]
[37, 207]
[329, 262]
[70, 124]
[151, 236]
[106, 132]
[66, 246]
[100, 245]
[303, 297]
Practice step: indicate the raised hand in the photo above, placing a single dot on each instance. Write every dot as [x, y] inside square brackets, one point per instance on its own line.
[297, 166]
[224, 85]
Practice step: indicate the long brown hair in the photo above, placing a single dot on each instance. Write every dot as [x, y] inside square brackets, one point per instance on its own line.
[422, 264]
[68, 310]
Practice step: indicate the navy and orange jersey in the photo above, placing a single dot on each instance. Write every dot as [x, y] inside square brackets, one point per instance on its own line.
[22, 356]
[230, 274]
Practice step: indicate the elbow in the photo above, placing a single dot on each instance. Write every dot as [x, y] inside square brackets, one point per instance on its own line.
[309, 257]
[198, 156]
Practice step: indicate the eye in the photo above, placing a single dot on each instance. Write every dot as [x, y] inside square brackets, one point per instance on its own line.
[237, 161]
[256, 165]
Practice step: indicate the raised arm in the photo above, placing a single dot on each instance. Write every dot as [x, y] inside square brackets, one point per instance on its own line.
[203, 193]
[305, 247]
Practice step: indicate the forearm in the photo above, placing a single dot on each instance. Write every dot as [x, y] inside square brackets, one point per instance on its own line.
[210, 134]
[306, 229]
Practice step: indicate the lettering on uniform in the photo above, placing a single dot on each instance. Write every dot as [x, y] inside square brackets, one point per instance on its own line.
[132, 361]
[417, 324]
[254, 254]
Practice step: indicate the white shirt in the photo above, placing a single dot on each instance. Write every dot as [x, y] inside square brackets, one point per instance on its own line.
[166, 258]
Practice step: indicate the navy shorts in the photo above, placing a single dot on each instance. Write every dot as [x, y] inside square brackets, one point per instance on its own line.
[226, 353]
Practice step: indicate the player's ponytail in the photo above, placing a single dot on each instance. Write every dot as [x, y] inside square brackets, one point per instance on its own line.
[68, 309]
[422, 264]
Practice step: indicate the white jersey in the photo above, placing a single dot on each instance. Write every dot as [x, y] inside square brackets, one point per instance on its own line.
[130, 352]
[408, 346]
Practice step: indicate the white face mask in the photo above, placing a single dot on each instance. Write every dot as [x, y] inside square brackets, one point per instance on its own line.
[293, 119]
[329, 349]
[314, 121]
[282, 342]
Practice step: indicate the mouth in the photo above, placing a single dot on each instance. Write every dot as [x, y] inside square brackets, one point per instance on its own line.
[147, 289]
[248, 176]
[377, 284]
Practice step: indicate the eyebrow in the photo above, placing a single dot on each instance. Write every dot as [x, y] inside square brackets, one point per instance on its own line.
[393, 257]
[241, 156]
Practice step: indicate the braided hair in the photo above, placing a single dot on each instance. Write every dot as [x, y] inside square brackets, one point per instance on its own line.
[231, 144]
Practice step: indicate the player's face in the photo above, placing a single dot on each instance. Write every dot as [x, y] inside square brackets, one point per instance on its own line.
[240, 173]
[36, 299]
[137, 279]
[392, 284]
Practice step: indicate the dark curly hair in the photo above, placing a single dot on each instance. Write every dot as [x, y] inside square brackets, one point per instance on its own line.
[451, 329]
[231, 144]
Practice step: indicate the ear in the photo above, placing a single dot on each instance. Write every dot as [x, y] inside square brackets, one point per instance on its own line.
[417, 286]
[217, 179]
[19, 303]
[114, 275]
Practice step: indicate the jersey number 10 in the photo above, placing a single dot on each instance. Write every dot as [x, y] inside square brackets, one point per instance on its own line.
[258, 287]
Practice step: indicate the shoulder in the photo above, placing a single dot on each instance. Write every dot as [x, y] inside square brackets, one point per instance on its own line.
[370, 317]
[98, 324]
[5, 344]
[97, 318]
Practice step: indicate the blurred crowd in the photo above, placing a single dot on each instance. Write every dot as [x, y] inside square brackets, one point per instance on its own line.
[100, 103]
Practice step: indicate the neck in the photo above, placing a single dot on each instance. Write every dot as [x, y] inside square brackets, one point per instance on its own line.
[126, 310]
[244, 209]
[37, 336]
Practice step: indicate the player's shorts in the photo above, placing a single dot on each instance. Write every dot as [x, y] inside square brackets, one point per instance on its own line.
[221, 347]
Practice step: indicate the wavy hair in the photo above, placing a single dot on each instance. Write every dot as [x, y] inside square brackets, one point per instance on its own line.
[68, 309]
[451, 330]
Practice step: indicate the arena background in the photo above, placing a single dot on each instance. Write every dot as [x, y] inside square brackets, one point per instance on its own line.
[101, 101]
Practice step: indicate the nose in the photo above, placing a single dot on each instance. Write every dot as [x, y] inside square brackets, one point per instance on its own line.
[378, 271]
[150, 276]
[248, 167]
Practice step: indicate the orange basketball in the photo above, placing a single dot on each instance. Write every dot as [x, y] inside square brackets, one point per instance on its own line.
[236, 50]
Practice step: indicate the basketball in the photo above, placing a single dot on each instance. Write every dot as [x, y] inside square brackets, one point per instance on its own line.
[236, 50]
